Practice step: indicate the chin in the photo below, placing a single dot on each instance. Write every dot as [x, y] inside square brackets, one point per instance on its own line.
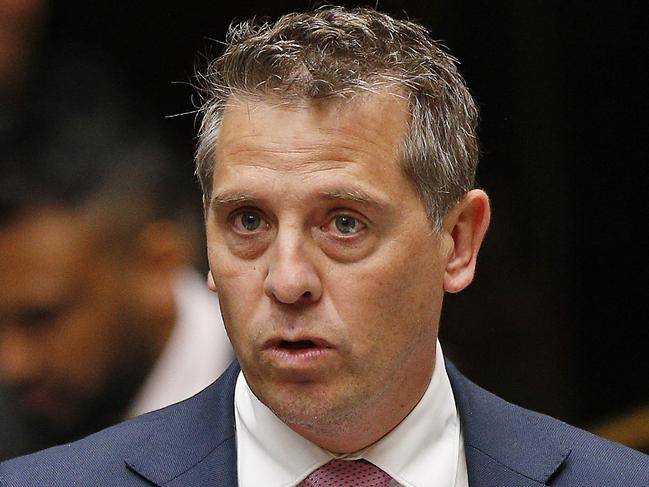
[315, 412]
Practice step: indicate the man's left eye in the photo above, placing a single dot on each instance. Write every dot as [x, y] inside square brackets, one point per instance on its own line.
[347, 225]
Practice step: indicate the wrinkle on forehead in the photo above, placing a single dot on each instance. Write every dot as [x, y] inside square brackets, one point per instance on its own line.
[285, 162]
[328, 133]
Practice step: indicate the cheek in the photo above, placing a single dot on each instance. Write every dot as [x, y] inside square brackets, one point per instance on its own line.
[240, 290]
[79, 349]
[93, 337]
[392, 299]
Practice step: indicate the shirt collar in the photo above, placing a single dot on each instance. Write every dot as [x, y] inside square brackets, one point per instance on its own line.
[427, 440]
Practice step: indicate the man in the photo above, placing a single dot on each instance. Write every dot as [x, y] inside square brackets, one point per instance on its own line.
[101, 316]
[337, 155]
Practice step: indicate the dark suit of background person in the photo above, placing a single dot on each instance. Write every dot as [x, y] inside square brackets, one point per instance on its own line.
[101, 315]
[193, 443]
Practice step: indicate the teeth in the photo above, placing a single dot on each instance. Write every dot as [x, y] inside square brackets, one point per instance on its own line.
[299, 345]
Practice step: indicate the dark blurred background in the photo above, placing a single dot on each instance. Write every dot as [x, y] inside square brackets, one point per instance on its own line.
[557, 317]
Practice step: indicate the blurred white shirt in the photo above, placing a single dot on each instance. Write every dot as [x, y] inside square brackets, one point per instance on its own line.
[197, 352]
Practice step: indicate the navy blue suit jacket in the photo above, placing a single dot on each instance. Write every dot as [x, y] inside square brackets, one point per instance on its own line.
[193, 444]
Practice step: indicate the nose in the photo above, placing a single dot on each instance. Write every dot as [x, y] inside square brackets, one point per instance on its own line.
[292, 275]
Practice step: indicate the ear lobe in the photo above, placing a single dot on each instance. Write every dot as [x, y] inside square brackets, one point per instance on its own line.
[467, 224]
[210, 282]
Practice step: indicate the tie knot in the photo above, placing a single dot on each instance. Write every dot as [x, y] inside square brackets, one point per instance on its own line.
[347, 473]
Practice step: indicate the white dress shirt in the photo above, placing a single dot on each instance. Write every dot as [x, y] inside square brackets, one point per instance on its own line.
[425, 449]
[197, 352]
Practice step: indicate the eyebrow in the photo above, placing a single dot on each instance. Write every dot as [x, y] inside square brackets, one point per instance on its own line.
[356, 195]
[227, 199]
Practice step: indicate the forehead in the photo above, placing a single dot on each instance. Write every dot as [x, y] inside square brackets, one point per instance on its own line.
[362, 137]
[41, 254]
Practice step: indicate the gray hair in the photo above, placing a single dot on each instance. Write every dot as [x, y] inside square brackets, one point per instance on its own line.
[337, 53]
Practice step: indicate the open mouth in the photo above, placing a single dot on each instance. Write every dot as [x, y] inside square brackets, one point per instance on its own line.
[297, 345]
[304, 351]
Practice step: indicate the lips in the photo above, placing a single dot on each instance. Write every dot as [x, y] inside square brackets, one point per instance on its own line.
[299, 351]
[39, 399]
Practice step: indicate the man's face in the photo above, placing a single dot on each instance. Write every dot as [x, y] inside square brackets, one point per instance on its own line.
[68, 332]
[329, 274]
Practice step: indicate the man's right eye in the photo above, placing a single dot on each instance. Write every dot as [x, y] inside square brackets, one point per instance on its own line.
[248, 221]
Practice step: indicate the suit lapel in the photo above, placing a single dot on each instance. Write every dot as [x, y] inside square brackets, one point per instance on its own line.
[194, 444]
[504, 444]
[484, 471]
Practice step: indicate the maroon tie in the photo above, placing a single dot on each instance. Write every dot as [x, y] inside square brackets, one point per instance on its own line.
[347, 473]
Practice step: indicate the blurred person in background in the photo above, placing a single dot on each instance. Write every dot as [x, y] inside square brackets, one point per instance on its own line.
[21, 23]
[101, 316]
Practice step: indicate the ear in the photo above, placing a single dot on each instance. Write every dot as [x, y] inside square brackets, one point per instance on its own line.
[163, 246]
[160, 249]
[466, 224]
